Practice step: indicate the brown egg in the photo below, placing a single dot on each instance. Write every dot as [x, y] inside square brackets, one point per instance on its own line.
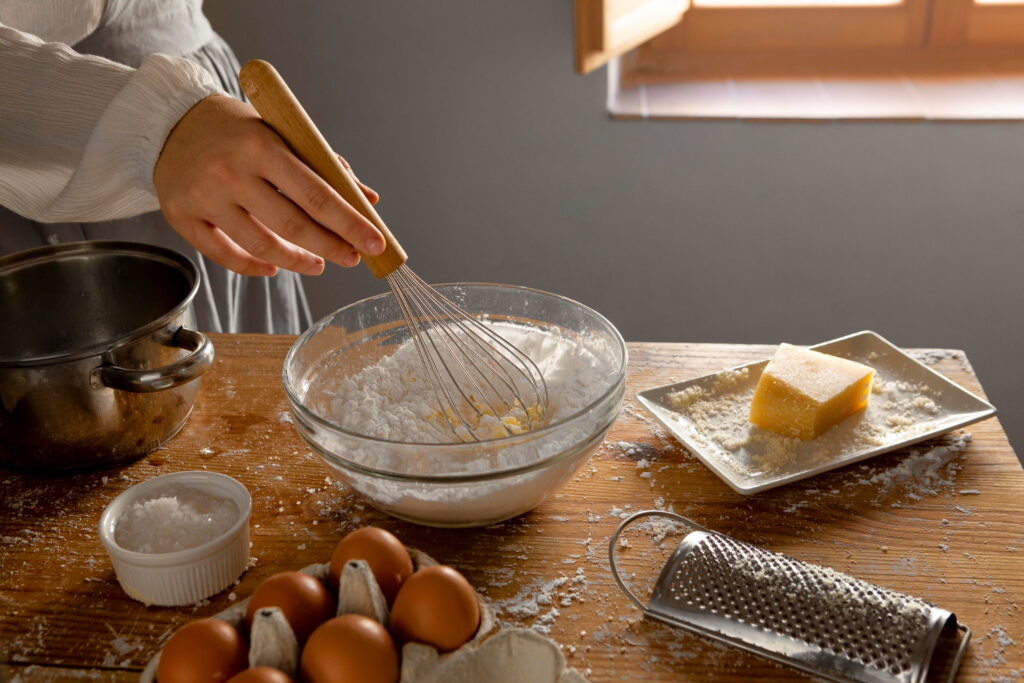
[436, 606]
[261, 674]
[201, 651]
[388, 559]
[349, 649]
[305, 602]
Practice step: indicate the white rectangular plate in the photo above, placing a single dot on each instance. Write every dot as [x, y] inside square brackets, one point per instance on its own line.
[909, 403]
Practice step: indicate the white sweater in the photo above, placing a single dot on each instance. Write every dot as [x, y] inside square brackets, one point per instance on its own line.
[80, 135]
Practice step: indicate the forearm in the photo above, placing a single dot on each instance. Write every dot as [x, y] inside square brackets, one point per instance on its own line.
[80, 135]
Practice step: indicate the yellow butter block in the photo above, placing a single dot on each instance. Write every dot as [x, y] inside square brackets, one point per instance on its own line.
[803, 393]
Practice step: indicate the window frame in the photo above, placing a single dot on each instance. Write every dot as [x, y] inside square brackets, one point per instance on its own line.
[914, 37]
[960, 23]
[734, 28]
[605, 29]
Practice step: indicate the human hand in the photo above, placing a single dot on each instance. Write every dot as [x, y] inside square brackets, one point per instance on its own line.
[234, 190]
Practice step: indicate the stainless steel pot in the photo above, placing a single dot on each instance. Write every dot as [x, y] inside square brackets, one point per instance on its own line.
[99, 358]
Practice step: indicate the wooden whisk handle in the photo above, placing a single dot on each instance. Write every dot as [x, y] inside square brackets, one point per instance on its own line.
[280, 109]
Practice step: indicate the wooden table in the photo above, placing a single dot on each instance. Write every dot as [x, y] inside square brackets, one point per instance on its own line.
[961, 546]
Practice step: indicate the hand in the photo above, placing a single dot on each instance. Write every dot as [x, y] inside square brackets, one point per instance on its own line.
[234, 190]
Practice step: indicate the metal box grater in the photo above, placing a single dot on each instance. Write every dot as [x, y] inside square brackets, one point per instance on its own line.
[809, 617]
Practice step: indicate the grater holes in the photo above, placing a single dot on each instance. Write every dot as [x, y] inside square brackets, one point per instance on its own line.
[857, 654]
[821, 607]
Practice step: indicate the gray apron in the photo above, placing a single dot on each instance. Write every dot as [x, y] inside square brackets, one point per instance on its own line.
[227, 302]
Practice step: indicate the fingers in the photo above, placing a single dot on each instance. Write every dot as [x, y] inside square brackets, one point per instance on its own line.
[294, 226]
[264, 244]
[219, 248]
[322, 203]
[370, 193]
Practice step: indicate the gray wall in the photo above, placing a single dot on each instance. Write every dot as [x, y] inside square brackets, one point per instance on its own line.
[496, 162]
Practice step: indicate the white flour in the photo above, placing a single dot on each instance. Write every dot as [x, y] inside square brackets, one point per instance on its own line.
[393, 399]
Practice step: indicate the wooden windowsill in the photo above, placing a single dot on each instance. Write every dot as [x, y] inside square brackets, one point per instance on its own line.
[995, 97]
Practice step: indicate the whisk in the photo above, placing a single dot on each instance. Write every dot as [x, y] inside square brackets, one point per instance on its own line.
[473, 371]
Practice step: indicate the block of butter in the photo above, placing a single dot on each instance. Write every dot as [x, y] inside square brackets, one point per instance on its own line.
[803, 393]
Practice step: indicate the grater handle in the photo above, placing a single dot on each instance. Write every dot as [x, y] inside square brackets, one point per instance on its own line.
[955, 665]
[622, 527]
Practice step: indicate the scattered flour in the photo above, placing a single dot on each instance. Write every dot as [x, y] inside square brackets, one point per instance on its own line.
[924, 471]
[935, 356]
[629, 448]
[540, 600]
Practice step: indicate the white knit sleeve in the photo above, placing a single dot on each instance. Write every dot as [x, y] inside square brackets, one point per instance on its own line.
[80, 135]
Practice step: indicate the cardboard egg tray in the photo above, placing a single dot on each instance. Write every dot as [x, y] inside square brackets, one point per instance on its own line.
[494, 653]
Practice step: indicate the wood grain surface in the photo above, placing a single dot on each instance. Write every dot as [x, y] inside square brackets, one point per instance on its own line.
[957, 541]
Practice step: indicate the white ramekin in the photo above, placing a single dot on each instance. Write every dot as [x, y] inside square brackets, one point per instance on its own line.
[186, 576]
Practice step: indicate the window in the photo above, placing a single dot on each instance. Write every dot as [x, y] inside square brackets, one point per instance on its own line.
[819, 41]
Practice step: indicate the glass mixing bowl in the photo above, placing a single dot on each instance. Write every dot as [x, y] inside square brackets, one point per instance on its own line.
[453, 484]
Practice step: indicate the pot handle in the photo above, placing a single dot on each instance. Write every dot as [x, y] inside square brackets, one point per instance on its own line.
[158, 379]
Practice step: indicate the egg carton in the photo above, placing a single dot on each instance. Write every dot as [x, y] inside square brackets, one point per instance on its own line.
[501, 655]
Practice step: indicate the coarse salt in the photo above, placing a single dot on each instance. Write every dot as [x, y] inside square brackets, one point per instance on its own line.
[174, 518]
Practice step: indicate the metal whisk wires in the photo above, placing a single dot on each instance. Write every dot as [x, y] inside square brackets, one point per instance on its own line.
[475, 373]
